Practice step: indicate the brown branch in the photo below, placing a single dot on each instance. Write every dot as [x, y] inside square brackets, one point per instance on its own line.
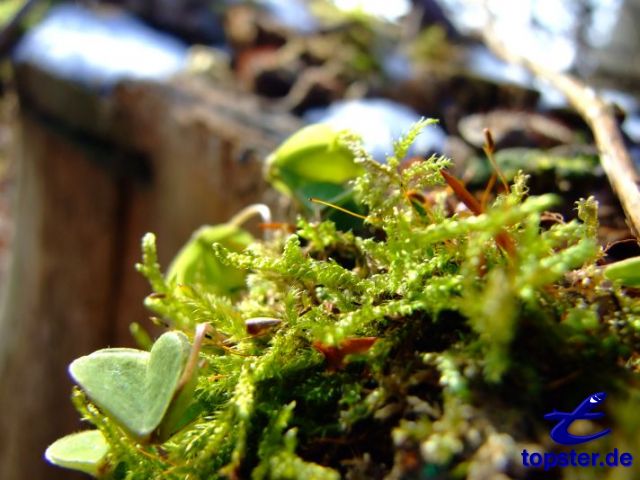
[599, 115]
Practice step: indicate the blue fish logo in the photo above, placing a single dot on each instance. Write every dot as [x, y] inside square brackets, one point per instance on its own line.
[560, 433]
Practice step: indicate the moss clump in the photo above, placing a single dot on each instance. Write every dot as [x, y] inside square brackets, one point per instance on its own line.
[417, 348]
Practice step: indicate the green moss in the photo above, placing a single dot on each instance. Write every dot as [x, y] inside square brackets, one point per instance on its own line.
[465, 329]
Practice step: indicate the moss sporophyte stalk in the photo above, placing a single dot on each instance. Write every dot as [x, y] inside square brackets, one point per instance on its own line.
[418, 343]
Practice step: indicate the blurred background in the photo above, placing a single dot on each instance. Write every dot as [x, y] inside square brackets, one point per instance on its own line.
[122, 117]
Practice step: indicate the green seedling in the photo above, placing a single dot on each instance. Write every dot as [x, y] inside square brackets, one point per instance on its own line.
[142, 391]
[141, 336]
[313, 162]
[627, 272]
[196, 264]
[83, 451]
[134, 387]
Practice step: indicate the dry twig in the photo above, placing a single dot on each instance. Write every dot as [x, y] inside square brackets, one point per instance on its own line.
[599, 115]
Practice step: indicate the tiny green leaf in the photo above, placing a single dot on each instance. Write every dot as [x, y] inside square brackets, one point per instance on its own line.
[82, 451]
[626, 271]
[141, 336]
[132, 386]
[315, 155]
[196, 263]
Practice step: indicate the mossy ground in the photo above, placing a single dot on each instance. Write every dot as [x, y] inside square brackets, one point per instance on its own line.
[482, 323]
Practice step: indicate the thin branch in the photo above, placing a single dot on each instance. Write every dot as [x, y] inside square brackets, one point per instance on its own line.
[599, 115]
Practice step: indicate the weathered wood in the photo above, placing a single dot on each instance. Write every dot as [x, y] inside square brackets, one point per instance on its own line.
[205, 148]
[197, 158]
[58, 302]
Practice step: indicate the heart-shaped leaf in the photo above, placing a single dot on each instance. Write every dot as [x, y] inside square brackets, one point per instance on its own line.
[82, 451]
[134, 387]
